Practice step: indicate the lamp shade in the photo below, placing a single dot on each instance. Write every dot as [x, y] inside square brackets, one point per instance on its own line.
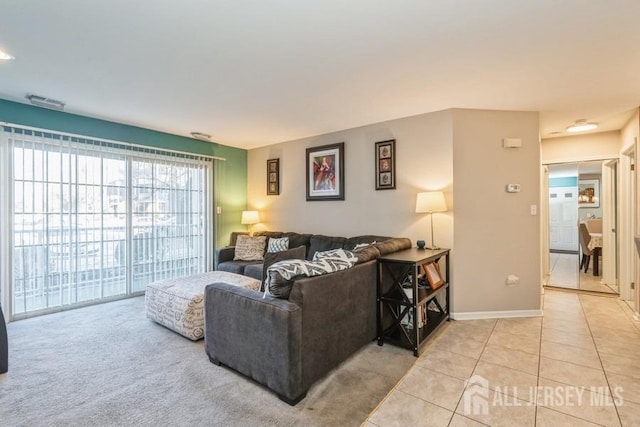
[250, 217]
[431, 201]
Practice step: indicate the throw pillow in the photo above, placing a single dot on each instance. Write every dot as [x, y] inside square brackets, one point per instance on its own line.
[250, 248]
[273, 257]
[278, 245]
[280, 275]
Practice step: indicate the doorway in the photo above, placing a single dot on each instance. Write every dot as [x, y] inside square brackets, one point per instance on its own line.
[581, 200]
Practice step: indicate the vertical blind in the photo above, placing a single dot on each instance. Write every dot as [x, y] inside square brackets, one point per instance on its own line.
[94, 219]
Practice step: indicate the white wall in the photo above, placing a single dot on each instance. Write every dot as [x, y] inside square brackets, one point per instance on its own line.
[495, 235]
[424, 161]
[629, 133]
[592, 146]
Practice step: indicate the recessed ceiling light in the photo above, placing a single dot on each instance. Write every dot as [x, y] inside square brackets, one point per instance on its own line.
[200, 135]
[5, 56]
[555, 132]
[582, 125]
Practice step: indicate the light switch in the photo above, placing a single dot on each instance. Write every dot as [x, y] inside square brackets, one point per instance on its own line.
[533, 209]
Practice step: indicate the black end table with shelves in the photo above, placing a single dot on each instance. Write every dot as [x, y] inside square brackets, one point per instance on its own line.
[409, 310]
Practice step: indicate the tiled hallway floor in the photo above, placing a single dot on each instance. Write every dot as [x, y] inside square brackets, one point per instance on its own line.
[565, 273]
[579, 365]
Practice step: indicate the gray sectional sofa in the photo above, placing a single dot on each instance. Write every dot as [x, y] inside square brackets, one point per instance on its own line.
[289, 344]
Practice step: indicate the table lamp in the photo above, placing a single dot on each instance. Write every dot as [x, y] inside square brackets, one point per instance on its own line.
[430, 202]
[249, 218]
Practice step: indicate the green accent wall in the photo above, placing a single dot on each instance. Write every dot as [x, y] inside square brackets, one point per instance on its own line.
[567, 181]
[231, 178]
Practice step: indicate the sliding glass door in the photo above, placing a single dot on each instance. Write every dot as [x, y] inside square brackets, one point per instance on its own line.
[95, 220]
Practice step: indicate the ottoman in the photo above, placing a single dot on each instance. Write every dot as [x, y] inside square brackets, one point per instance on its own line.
[178, 303]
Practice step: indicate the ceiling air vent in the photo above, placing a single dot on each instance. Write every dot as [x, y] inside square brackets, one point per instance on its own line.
[42, 101]
[201, 136]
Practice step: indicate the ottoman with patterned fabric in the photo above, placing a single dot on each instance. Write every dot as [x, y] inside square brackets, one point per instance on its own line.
[178, 303]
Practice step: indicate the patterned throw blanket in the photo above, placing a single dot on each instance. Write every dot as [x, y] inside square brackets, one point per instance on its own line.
[280, 274]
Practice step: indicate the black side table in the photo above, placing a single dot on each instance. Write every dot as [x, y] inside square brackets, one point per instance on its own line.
[408, 311]
[4, 345]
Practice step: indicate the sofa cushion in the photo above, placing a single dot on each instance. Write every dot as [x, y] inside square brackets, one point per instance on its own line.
[297, 239]
[280, 275]
[351, 243]
[320, 243]
[250, 248]
[254, 271]
[274, 234]
[237, 267]
[273, 257]
[278, 244]
[366, 253]
[393, 245]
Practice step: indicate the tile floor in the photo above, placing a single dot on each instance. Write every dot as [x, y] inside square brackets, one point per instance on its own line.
[565, 274]
[579, 365]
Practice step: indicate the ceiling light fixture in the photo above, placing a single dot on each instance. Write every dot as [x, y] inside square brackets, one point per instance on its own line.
[582, 125]
[201, 136]
[5, 56]
[42, 101]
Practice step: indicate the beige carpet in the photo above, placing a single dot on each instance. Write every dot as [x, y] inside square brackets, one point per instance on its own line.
[108, 365]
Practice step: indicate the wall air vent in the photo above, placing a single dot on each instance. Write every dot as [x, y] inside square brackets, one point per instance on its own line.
[42, 101]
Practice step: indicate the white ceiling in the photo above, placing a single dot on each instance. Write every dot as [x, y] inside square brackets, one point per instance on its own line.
[253, 73]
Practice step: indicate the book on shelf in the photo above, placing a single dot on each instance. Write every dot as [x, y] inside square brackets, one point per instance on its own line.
[407, 320]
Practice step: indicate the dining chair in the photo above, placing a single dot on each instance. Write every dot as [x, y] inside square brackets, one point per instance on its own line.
[594, 225]
[585, 238]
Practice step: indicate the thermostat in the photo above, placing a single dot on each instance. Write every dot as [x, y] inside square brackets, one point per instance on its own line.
[513, 188]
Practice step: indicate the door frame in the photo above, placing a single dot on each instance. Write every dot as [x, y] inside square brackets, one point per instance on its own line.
[545, 265]
[609, 223]
[544, 211]
[627, 250]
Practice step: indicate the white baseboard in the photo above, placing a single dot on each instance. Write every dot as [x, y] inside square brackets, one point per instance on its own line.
[473, 315]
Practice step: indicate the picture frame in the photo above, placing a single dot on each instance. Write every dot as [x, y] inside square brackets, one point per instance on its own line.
[385, 165]
[434, 276]
[325, 172]
[589, 193]
[273, 177]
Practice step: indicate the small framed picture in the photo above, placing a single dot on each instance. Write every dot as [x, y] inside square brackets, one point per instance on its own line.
[386, 165]
[273, 177]
[432, 271]
[589, 193]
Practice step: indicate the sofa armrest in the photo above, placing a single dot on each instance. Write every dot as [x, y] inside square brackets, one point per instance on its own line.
[258, 337]
[223, 255]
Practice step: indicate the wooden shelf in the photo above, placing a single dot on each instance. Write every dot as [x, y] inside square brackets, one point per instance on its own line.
[399, 272]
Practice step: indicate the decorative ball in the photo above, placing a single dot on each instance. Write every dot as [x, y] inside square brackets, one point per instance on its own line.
[420, 244]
